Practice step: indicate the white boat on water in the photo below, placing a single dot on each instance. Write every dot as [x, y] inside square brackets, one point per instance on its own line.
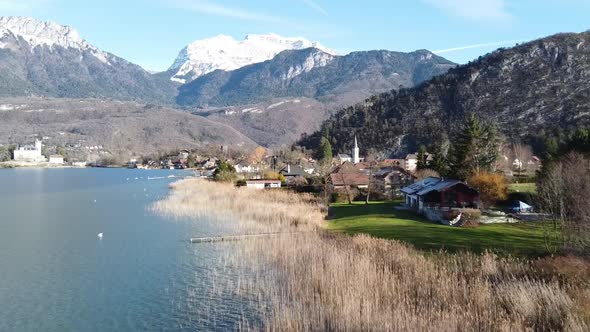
[99, 235]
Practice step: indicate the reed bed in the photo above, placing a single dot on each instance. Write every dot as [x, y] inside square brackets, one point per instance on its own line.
[242, 210]
[319, 281]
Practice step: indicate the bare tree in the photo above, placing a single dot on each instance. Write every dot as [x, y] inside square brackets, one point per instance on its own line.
[564, 191]
[372, 162]
[522, 154]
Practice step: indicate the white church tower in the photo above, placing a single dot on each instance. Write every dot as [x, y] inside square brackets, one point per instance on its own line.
[355, 152]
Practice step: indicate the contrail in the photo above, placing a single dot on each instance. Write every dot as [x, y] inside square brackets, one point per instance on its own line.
[468, 47]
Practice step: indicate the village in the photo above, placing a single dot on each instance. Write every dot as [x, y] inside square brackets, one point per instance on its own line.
[345, 178]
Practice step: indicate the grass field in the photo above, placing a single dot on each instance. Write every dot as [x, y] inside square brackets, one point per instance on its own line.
[382, 220]
[529, 188]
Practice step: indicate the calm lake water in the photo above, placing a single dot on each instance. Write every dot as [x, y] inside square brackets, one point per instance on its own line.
[57, 275]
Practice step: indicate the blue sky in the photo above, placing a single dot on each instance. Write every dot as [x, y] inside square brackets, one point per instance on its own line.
[152, 32]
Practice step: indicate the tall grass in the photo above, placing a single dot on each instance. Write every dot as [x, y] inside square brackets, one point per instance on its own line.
[318, 281]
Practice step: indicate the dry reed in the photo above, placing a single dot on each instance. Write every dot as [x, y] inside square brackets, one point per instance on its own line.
[318, 281]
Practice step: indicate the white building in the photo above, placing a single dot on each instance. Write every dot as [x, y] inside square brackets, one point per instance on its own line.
[30, 153]
[245, 167]
[56, 159]
[343, 158]
[263, 184]
[356, 153]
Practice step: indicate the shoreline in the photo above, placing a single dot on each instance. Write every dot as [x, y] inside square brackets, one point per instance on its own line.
[320, 280]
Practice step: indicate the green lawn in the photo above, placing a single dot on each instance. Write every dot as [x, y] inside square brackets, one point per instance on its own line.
[382, 220]
[528, 188]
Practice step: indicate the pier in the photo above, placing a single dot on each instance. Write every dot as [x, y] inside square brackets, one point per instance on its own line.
[233, 237]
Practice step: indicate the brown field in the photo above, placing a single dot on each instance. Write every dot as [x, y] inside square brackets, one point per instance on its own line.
[309, 279]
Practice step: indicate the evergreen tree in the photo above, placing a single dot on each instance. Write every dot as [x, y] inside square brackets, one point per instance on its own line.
[474, 149]
[439, 161]
[422, 157]
[325, 150]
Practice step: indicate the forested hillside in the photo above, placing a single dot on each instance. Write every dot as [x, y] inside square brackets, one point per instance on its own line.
[529, 91]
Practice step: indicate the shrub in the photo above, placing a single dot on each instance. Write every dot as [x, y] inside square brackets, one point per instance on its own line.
[270, 175]
[492, 187]
[566, 269]
[471, 217]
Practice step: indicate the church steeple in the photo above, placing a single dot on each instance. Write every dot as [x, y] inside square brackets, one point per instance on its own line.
[355, 152]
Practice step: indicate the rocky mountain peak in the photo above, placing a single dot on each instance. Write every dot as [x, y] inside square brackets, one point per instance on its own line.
[38, 33]
[224, 52]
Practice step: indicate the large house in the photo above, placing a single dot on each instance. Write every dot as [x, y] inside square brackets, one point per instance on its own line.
[293, 171]
[30, 153]
[350, 180]
[391, 179]
[433, 192]
[246, 167]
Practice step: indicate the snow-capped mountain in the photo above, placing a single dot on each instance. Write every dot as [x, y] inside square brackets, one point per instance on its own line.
[224, 52]
[53, 60]
[312, 73]
[39, 33]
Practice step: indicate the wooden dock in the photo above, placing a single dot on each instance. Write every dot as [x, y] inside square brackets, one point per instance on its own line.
[231, 237]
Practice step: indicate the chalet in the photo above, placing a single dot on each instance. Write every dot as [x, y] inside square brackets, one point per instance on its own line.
[263, 184]
[351, 180]
[293, 171]
[434, 192]
[390, 180]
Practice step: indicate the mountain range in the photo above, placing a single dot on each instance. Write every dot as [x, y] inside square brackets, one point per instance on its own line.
[313, 73]
[273, 89]
[530, 91]
[45, 59]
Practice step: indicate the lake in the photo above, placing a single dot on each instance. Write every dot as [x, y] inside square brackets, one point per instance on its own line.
[56, 274]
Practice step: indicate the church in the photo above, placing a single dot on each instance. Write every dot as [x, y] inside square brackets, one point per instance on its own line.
[355, 159]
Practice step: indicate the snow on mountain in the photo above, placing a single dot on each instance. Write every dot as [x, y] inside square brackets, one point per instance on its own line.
[38, 33]
[224, 52]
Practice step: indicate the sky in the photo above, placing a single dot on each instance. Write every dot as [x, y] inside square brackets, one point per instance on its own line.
[152, 32]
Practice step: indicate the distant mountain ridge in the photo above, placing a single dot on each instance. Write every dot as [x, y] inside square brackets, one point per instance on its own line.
[47, 59]
[530, 90]
[313, 73]
[225, 53]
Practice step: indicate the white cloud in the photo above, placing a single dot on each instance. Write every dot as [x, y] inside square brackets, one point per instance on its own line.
[313, 5]
[211, 8]
[468, 47]
[21, 5]
[477, 10]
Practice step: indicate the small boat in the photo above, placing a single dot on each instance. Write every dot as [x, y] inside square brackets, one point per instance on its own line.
[99, 235]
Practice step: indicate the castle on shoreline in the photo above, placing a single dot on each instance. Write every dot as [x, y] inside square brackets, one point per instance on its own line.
[30, 153]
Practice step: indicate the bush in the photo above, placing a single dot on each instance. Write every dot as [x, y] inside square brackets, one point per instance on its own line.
[566, 269]
[274, 176]
[225, 172]
[471, 217]
[492, 187]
